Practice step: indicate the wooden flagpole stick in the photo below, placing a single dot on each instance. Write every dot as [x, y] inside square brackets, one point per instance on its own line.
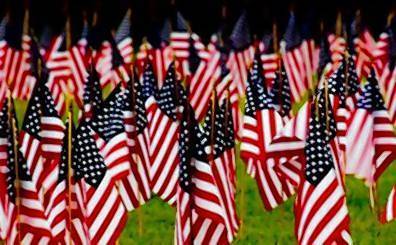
[15, 150]
[69, 168]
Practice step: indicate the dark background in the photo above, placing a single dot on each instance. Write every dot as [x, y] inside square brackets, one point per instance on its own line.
[205, 16]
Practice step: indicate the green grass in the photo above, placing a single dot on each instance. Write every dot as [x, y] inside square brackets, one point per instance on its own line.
[259, 226]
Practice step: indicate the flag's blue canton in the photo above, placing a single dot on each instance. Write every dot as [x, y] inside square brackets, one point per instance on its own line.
[149, 82]
[187, 143]
[324, 55]
[229, 125]
[322, 129]
[280, 92]
[6, 132]
[87, 162]
[371, 98]
[193, 59]
[292, 36]
[256, 92]
[31, 122]
[165, 31]
[240, 37]
[167, 95]
[47, 102]
[392, 44]
[3, 24]
[181, 23]
[45, 37]
[268, 43]
[124, 29]
[337, 84]
[93, 92]
[215, 140]
[109, 122]
[64, 165]
[85, 31]
[319, 160]
[141, 119]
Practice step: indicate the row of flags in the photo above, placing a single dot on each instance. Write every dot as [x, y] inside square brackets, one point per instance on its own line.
[169, 128]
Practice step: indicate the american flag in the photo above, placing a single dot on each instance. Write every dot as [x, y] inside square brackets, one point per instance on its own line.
[371, 141]
[67, 73]
[337, 47]
[92, 97]
[184, 201]
[111, 137]
[365, 46]
[321, 214]
[261, 124]
[343, 87]
[200, 217]
[124, 40]
[298, 58]
[135, 188]
[389, 214]
[387, 73]
[25, 221]
[41, 137]
[16, 67]
[242, 56]
[56, 200]
[163, 128]
[105, 213]
[180, 44]
[280, 93]
[206, 76]
[226, 87]
[271, 64]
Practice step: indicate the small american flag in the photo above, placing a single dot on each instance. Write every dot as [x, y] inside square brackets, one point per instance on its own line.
[261, 124]
[135, 189]
[371, 141]
[25, 221]
[163, 128]
[105, 213]
[320, 208]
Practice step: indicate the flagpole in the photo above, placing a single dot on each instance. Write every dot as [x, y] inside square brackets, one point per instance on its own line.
[15, 150]
[69, 166]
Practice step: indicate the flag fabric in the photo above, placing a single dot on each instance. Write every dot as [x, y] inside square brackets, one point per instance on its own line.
[280, 93]
[41, 137]
[371, 141]
[385, 66]
[111, 137]
[389, 213]
[56, 199]
[162, 110]
[242, 55]
[24, 220]
[206, 76]
[293, 60]
[184, 228]
[261, 124]
[67, 73]
[105, 213]
[15, 64]
[226, 87]
[123, 39]
[320, 207]
[135, 188]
